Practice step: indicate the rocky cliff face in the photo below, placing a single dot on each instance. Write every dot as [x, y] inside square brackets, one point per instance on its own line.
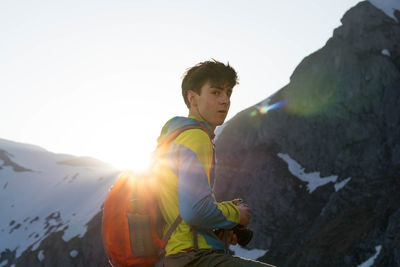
[319, 161]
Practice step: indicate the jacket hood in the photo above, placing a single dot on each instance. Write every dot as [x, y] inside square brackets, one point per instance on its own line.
[178, 122]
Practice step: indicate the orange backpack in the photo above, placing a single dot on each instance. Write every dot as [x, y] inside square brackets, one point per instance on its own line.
[132, 223]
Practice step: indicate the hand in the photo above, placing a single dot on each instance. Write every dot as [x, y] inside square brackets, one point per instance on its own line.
[245, 214]
[232, 237]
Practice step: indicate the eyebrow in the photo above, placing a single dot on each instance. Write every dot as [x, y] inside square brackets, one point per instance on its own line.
[221, 88]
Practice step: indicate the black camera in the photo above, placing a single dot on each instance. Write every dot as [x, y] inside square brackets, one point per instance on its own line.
[243, 234]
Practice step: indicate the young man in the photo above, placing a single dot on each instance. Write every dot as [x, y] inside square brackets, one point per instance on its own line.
[186, 174]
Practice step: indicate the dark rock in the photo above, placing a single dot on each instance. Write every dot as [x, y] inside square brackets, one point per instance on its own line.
[8, 256]
[82, 161]
[57, 252]
[341, 117]
[6, 158]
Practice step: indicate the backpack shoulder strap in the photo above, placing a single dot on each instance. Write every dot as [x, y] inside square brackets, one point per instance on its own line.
[172, 228]
[205, 128]
[174, 134]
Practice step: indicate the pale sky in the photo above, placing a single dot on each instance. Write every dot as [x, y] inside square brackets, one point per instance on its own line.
[100, 78]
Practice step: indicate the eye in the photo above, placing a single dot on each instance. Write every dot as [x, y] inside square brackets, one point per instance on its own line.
[216, 92]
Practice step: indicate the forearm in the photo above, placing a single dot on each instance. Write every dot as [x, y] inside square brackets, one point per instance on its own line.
[206, 213]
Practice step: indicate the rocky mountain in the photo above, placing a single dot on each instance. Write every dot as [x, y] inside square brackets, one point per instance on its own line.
[51, 207]
[319, 161]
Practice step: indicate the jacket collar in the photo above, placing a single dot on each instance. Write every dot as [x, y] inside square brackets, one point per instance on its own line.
[212, 134]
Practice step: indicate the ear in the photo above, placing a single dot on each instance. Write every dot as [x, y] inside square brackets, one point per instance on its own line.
[192, 98]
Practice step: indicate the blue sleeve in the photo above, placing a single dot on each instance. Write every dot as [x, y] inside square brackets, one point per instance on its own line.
[197, 205]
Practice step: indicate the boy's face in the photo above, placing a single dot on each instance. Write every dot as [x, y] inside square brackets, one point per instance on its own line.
[212, 105]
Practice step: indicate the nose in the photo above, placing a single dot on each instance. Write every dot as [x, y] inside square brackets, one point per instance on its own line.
[225, 98]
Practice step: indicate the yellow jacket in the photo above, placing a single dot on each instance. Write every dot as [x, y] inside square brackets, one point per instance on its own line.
[185, 177]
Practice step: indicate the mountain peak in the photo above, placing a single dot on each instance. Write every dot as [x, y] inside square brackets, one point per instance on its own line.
[389, 7]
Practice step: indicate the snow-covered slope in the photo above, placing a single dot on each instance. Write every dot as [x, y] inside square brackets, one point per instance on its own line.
[42, 192]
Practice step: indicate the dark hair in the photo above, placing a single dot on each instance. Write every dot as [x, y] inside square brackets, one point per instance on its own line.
[217, 73]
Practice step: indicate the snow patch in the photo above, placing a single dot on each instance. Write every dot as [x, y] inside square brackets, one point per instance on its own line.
[313, 179]
[3, 263]
[251, 254]
[73, 253]
[341, 184]
[387, 6]
[40, 255]
[371, 260]
[385, 52]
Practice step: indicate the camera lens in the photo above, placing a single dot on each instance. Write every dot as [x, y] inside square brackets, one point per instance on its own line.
[244, 236]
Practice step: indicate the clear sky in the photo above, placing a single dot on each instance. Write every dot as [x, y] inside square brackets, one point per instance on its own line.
[100, 78]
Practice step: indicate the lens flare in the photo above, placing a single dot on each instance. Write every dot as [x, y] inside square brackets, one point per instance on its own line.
[264, 108]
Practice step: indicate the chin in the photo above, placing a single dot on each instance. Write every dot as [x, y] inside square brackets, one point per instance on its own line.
[220, 123]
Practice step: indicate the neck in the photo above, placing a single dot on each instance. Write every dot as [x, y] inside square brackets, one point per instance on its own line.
[198, 115]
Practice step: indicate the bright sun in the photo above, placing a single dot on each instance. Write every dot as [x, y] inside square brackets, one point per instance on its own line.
[139, 163]
[137, 160]
[127, 149]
